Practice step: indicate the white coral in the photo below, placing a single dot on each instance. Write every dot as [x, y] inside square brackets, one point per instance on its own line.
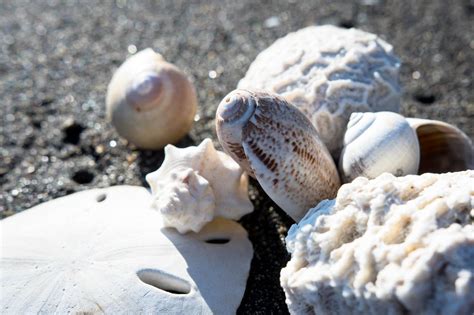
[196, 184]
[386, 246]
[329, 72]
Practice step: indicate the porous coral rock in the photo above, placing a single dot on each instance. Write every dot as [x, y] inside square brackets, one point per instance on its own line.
[329, 72]
[196, 184]
[386, 246]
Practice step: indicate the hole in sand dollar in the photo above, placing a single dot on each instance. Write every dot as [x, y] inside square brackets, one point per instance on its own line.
[101, 197]
[220, 240]
[163, 281]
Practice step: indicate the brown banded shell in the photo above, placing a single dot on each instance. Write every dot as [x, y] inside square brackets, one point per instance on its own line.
[443, 147]
[277, 145]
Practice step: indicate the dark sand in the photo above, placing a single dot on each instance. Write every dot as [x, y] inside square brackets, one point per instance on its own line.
[57, 57]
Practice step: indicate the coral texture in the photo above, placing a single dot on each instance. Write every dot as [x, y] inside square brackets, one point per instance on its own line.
[386, 246]
[328, 73]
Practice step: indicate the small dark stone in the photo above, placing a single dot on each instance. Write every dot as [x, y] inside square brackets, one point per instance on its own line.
[72, 133]
[425, 98]
[347, 24]
[83, 177]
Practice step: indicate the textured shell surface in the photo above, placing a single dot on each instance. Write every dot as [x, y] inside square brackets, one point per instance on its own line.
[104, 251]
[196, 184]
[150, 102]
[376, 143]
[278, 146]
[328, 73]
[443, 147]
[390, 245]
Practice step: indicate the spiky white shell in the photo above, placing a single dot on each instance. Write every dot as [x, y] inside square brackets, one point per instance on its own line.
[377, 143]
[443, 147]
[273, 141]
[328, 73]
[104, 251]
[196, 184]
[150, 102]
[391, 245]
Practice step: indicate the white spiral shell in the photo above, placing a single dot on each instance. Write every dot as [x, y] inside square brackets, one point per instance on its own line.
[376, 143]
[150, 102]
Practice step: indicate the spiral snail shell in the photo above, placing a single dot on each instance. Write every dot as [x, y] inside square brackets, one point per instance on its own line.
[375, 143]
[276, 144]
[150, 102]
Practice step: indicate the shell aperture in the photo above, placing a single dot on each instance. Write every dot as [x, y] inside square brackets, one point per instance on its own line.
[280, 147]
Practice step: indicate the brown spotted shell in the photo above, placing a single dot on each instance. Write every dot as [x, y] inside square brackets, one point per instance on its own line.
[277, 145]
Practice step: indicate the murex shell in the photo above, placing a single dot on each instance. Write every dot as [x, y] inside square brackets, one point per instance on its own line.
[196, 184]
[104, 251]
[328, 73]
[391, 245]
[150, 102]
[276, 144]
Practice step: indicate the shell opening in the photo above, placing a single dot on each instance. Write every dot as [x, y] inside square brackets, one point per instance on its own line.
[144, 91]
[443, 149]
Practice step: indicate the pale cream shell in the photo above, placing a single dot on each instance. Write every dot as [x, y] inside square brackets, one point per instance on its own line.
[153, 119]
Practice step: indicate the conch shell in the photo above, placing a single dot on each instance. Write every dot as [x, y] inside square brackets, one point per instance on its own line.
[276, 144]
[150, 102]
[196, 184]
[329, 72]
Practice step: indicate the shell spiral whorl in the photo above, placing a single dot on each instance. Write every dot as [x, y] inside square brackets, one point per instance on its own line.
[144, 91]
[276, 144]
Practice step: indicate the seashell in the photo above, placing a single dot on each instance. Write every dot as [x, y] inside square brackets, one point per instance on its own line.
[329, 72]
[276, 144]
[196, 184]
[444, 148]
[375, 143]
[150, 102]
[104, 251]
[390, 245]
